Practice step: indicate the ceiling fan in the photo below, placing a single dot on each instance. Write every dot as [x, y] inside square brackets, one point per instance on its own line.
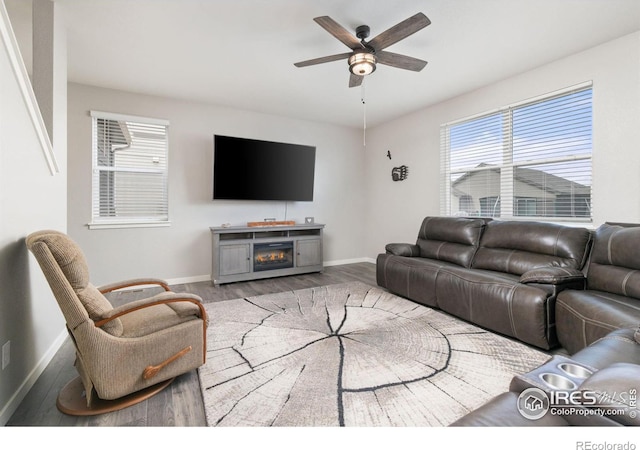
[364, 55]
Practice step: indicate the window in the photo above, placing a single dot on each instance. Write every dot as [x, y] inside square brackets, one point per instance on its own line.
[528, 160]
[130, 174]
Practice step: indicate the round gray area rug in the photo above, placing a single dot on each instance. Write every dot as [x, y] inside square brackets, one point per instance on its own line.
[350, 355]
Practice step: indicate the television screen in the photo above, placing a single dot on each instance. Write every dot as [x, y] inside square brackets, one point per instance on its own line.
[248, 169]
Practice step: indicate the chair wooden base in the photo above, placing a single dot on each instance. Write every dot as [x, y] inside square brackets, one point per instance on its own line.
[72, 399]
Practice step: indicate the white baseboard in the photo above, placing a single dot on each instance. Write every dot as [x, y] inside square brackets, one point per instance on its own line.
[185, 280]
[17, 398]
[341, 262]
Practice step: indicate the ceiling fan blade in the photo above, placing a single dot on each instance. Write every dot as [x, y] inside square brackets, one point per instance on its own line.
[400, 31]
[355, 80]
[400, 61]
[324, 59]
[339, 32]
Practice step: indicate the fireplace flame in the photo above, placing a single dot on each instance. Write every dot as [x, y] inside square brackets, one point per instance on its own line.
[271, 257]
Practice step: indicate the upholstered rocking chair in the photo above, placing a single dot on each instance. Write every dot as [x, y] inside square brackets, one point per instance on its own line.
[124, 354]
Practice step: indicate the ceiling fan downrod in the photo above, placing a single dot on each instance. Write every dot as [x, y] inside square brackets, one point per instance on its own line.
[362, 33]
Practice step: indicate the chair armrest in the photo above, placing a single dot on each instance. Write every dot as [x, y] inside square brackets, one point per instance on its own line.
[552, 275]
[163, 298]
[401, 249]
[134, 282]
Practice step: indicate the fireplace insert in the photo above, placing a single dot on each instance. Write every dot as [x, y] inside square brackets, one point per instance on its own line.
[272, 256]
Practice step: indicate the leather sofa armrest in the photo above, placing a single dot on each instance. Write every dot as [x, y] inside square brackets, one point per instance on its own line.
[552, 275]
[399, 249]
[616, 392]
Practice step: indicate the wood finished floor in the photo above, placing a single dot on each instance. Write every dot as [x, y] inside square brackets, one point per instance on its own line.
[181, 403]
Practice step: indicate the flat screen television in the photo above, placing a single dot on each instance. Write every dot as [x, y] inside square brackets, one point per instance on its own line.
[249, 169]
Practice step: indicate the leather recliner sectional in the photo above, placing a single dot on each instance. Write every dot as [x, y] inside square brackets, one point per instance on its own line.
[501, 275]
[602, 389]
[545, 284]
[611, 298]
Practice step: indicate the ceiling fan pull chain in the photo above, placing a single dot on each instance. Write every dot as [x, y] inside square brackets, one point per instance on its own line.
[364, 113]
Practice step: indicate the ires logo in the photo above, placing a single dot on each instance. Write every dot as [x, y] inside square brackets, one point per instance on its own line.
[573, 398]
[534, 403]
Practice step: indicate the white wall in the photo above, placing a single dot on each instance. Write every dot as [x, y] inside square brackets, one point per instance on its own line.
[31, 198]
[396, 209]
[183, 251]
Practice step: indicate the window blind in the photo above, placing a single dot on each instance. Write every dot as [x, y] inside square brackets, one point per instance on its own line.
[528, 160]
[130, 170]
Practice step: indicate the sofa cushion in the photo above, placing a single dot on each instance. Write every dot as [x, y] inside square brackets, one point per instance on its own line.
[617, 346]
[413, 278]
[518, 247]
[583, 317]
[615, 387]
[499, 302]
[451, 239]
[615, 260]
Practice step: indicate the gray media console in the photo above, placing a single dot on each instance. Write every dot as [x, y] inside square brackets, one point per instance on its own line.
[251, 253]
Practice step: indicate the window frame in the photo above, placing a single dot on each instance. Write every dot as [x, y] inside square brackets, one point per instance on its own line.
[127, 221]
[507, 167]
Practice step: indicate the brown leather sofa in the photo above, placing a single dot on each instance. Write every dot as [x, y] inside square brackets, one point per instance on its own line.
[602, 388]
[611, 299]
[546, 285]
[502, 275]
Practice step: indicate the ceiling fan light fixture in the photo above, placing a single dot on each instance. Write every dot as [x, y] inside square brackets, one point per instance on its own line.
[362, 63]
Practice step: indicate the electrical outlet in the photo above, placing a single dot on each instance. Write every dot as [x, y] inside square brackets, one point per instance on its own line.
[6, 354]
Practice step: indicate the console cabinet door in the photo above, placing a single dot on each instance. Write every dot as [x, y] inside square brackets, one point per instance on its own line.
[309, 252]
[235, 259]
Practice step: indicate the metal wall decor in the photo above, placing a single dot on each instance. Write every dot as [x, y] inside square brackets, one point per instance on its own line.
[400, 173]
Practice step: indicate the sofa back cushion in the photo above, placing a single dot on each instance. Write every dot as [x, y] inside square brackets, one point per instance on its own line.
[451, 239]
[517, 247]
[615, 260]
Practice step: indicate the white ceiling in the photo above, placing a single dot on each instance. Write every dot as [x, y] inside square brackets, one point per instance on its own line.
[240, 53]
